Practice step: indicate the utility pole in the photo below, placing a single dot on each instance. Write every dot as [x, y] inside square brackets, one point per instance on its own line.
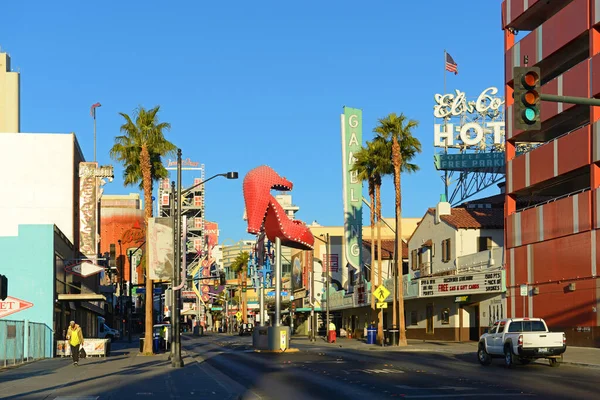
[177, 361]
[327, 272]
[313, 316]
[121, 291]
[277, 321]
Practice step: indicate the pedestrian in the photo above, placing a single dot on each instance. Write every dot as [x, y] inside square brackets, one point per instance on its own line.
[75, 338]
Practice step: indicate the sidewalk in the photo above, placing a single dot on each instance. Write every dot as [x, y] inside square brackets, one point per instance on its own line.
[582, 356]
[123, 375]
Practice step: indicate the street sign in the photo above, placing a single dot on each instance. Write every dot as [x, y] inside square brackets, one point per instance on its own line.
[282, 340]
[238, 315]
[12, 305]
[381, 305]
[141, 290]
[523, 290]
[381, 293]
[84, 269]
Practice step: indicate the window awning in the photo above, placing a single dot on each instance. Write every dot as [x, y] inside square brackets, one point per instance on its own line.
[81, 297]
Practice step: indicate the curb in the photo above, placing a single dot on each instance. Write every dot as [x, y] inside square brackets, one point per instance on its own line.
[290, 350]
[580, 364]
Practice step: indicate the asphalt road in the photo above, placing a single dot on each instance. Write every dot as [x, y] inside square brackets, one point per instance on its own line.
[327, 372]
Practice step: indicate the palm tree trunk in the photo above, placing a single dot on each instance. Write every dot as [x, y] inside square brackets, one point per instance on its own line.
[373, 285]
[149, 304]
[397, 160]
[245, 300]
[380, 277]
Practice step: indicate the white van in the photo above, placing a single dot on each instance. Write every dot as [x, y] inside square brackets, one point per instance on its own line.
[106, 332]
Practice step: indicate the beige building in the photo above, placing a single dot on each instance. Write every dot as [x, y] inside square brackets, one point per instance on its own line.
[10, 114]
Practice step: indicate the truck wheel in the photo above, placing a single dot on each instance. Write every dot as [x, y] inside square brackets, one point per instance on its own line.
[508, 357]
[554, 362]
[483, 356]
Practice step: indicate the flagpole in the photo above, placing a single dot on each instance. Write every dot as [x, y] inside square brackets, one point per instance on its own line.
[94, 112]
[445, 147]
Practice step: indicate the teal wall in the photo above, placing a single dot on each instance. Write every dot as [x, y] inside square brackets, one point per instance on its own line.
[28, 262]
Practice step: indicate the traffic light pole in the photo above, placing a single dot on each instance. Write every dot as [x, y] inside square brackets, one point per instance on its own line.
[570, 100]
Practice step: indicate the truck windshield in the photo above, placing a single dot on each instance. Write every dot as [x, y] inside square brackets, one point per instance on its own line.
[527, 326]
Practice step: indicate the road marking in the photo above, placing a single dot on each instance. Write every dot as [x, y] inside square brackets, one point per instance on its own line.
[379, 371]
[481, 395]
[455, 388]
[77, 398]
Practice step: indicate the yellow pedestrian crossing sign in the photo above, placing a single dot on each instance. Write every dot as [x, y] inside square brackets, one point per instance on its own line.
[381, 305]
[381, 293]
[238, 315]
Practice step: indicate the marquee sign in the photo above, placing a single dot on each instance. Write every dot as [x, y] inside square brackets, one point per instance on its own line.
[12, 305]
[484, 282]
[469, 124]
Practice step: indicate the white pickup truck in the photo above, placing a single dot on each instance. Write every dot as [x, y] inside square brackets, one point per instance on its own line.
[524, 338]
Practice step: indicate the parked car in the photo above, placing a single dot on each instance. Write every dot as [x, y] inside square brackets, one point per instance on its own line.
[106, 332]
[526, 339]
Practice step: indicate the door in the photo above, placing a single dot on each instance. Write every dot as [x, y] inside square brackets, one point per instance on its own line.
[474, 323]
[429, 315]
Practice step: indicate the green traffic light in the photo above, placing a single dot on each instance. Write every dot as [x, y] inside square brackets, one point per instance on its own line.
[530, 115]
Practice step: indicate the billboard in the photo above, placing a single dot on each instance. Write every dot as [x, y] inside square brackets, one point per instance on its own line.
[474, 130]
[297, 269]
[160, 248]
[211, 233]
[351, 121]
[88, 209]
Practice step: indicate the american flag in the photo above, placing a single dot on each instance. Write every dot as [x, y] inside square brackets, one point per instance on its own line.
[451, 65]
[93, 109]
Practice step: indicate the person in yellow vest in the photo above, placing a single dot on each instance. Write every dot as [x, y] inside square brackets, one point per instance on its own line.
[75, 338]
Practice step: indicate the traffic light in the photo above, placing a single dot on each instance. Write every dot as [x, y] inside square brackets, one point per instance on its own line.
[222, 280]
[527, 90]
[3, 287]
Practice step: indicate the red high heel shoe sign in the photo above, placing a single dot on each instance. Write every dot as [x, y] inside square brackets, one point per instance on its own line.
[265, 213]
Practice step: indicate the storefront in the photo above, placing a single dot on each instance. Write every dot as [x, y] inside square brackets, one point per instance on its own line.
[456, 307]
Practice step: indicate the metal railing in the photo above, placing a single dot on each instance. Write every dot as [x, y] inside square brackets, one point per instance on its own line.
[564, 196]
[23, 341]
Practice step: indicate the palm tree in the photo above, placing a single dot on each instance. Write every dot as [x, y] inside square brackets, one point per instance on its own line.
[364, 166]
[372, 162]
[139, 149]
[240, 267]
[397, 131]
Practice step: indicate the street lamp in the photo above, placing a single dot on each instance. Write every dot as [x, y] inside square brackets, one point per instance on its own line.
[177, 361]
[121, 268]
[327, 283]
[132, 270]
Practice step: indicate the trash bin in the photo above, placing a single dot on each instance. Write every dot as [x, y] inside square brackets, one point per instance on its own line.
[156, 344]
[393, 336]
[196, 330]
[201, 330]
[141, 345]
[371, 334]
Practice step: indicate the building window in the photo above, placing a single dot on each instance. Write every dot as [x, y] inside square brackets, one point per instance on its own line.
[197, 223]
[413, 260]
[445, 316]
[484, 243]
[446, 250]
[414, 320]
[197, 201]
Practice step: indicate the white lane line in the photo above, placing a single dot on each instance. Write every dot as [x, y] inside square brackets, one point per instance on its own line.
[480, 395]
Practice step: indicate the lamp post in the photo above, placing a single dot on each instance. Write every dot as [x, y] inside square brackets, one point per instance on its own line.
[121, 268]
[326, 266]
[176, 360]
[132, 270]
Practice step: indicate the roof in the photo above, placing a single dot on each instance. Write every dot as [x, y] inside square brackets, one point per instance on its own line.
[388, 246]
[473, 218]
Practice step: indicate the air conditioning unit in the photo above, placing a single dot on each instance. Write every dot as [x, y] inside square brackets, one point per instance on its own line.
[535, 290]
[571, 287]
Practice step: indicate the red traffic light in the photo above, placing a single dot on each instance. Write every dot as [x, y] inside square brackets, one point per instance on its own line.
[530, 79]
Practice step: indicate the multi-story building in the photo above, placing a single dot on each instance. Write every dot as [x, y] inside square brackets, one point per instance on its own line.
[10, 102]
[41, 233]
[551, 246]
[456, 282]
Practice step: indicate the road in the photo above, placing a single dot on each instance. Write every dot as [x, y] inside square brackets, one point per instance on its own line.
[328, 372]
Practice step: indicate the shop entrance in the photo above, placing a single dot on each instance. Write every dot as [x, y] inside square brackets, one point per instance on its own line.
[469, 322]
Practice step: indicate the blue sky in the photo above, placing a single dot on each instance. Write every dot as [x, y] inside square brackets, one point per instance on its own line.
[251, 83]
